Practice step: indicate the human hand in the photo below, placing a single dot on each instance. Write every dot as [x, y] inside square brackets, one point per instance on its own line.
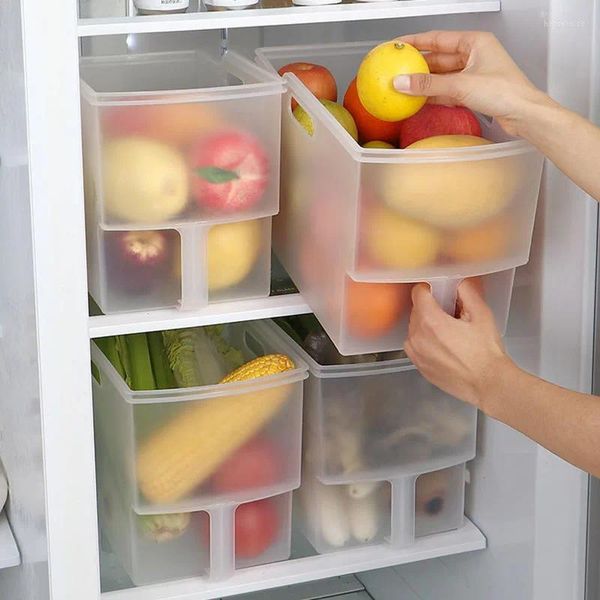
[460, 356]
[472, 69]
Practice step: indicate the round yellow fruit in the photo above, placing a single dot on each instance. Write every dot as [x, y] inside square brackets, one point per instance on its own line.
[451, 193]
[375, 81]
[232, 251]
[488, 241]
[378, 144]
[144, 181]
[393, 241]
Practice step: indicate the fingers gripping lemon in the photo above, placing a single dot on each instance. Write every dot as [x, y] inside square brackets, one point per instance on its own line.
[375, 78]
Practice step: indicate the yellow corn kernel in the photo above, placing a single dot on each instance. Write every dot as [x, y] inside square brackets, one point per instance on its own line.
[187, 450]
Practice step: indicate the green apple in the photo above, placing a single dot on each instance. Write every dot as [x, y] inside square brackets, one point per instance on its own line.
[343, 117]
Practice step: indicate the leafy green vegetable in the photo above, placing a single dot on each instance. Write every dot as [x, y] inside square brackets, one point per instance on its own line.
[232, 357]
[193, 358]
[108, 346]
[163, 375]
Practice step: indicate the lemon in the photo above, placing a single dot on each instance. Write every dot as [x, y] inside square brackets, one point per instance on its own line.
[375, 80]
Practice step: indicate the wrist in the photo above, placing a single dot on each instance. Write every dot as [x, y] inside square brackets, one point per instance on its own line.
[490, 388]
[534, 113]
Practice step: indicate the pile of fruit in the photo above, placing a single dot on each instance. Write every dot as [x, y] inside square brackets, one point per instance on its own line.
[140, 262]
[179, 162]
[217, 446]
[164, 161]
[428, 208]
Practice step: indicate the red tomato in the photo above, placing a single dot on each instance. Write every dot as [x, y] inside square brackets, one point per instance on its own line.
[256, 464]
[256, 528]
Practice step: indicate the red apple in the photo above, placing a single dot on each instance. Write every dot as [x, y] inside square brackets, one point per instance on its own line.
[255, 465]
[316, 78]
[139, 260]
[230, 171]
[436, 119]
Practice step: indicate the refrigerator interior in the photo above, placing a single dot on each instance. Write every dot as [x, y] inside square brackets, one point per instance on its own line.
[530, 505]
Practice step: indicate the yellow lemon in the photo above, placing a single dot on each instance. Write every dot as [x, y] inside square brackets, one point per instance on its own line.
[232, 251]
[453, 192]
[375, 80]
[144, 181]
[393, 241]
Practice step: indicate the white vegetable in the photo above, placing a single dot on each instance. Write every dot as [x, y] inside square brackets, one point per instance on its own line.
[332, 505]
[364, 518]
[361, 489]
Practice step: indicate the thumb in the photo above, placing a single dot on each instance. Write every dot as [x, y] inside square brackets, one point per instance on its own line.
[428, 84]
[471, 301]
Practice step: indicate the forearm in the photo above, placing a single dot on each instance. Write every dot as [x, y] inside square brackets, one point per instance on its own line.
[565, 422]
[571, 142]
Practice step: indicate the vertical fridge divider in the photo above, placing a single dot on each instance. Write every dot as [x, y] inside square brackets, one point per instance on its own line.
[222, 541]
[194, 265]
[402, 532]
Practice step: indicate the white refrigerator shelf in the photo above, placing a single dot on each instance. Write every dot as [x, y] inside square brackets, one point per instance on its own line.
[286, 15]
[222, 312]
[466, 539]
[9, 553]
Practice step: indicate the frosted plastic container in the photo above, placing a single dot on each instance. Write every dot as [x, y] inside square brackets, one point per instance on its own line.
[332, 518]
[197, 264]
[211, 544]
[364, 317]
[396, 215]
[379, 421]
[135, 426]
[179, 137]
[340, 517]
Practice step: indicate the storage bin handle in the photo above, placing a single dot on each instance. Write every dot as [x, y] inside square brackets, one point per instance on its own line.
[445, 291]
[304, 98]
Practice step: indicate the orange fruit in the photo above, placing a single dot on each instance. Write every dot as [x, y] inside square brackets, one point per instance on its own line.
[176, 124]
[370, 128]
[374, 309]
[486, 242]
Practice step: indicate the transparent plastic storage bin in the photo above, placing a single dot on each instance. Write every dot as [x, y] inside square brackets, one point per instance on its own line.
[379, 421]
[181, 157]
[365, 317]
[397, 215]
[179, 137]
[340, 517]
[188, 267]
[158, 444]
[212, 543]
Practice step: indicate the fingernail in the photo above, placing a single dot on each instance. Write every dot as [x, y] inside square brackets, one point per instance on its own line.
[402, 83]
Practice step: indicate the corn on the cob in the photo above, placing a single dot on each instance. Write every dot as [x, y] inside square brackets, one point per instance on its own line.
[187, 450]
